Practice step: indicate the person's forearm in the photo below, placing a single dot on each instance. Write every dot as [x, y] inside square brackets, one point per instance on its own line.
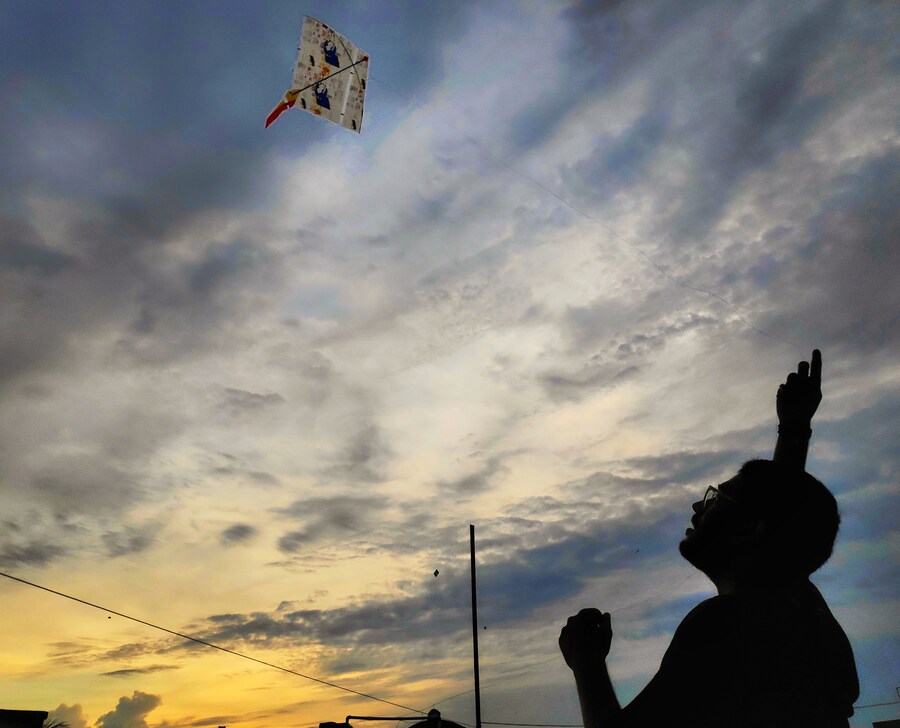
[599, 704]
[792, 445]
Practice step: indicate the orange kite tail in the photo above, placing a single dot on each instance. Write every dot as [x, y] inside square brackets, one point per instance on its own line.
[290, 98]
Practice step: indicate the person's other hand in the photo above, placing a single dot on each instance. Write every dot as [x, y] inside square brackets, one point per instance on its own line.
[586, 639]
[799, 397]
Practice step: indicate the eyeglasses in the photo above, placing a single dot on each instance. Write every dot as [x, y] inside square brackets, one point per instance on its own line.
[713, 493]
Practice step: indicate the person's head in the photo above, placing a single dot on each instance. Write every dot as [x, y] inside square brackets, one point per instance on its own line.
[770, 523]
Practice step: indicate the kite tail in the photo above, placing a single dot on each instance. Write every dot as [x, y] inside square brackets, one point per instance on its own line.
[276, 112]
[290, 98]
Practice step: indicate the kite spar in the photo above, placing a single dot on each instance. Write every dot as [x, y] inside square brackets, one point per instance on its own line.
[329, 78]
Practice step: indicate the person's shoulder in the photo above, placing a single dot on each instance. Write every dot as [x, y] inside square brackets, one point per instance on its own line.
[714, 609]
[709, 621]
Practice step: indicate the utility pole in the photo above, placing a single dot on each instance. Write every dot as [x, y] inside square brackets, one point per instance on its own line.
[475, 628]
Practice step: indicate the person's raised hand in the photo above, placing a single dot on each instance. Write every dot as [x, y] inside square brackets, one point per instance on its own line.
[799, 397]
[586, 639]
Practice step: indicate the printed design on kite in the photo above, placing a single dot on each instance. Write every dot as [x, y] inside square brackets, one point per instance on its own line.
[322, 96]
[329, 50]
[325, 87]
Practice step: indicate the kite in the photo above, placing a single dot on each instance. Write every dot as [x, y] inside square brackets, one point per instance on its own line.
[329, 77]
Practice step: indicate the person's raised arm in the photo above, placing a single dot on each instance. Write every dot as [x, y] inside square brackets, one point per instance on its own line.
[585, 643]
[796, 403]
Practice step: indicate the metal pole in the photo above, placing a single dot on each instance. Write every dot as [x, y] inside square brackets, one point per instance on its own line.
[475, 628]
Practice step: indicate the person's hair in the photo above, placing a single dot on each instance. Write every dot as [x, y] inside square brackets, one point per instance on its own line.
[800, 513]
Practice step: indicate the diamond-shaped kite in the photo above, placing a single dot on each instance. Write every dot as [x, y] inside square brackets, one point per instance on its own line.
[329, 77]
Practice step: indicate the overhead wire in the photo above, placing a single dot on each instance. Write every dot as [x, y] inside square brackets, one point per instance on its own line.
[532, 666]
[210, 644]
[876, 705]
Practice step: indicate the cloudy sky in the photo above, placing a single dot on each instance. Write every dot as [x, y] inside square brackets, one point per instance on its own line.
[255, 384]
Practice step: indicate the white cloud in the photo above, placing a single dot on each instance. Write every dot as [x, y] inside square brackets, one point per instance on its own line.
[130, 712]
[71, 715]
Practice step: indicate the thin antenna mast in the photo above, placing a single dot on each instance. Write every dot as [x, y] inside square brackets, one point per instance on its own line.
[475, 628]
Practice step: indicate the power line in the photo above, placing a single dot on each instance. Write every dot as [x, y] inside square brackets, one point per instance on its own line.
[532, 666]
[210, 644]
[876, 705]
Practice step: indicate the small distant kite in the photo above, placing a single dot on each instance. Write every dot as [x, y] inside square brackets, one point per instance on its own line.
[329, 77]
[436, 572]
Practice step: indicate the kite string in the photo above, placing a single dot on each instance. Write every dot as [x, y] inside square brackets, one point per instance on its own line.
[655, 595]
[347, 53]
[606, 227]
[210, 644]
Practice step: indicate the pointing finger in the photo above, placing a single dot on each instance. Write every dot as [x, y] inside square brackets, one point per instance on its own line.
[816, 371]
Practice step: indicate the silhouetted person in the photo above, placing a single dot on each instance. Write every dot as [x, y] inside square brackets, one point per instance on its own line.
[766, 652]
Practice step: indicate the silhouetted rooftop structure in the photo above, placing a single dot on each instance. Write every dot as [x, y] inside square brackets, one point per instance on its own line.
[434, 720]
[22, 718]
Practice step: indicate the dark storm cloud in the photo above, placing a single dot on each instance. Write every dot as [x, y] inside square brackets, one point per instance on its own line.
[362, 459]
[686, 468]
[619, 162]
[238, 401]
[509, 590]
[293, 541]
[21, 248]
[739, 102]
[70, 484]
[764, 109]
[607, 41]
[842, 285]
[34, 553]
[130, 712]
[66, 649]
[527, 564]
[139, 148]
[238, 533]
[216, 720]
[258, 477]
[606, 325]
[234, 467]
[590, 378]
[175, 309]
[221, 263]
[868, 454]
[339, 510]
[475, 482]
[136, 671]
[326, 516]
[35, 539]
[129, 540]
